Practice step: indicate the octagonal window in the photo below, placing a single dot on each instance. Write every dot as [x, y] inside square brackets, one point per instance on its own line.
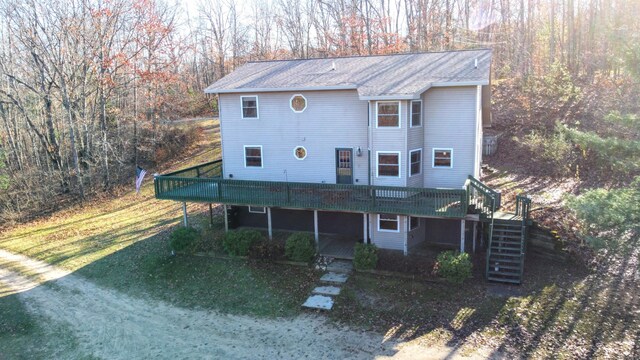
[300, 152]
[298, 103]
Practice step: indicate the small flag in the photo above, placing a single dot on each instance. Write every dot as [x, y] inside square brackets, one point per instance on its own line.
[140, 173]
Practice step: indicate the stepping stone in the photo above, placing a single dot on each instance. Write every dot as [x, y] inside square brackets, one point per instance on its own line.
[327, 290]
[335, 278]
[319, 302]
[341, 266]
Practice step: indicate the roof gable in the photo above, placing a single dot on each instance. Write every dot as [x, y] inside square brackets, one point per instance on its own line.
[384, 76]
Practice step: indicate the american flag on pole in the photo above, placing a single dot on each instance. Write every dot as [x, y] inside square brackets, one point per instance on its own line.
[140, 173]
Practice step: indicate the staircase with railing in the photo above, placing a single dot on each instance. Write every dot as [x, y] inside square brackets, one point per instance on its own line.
[507, 232]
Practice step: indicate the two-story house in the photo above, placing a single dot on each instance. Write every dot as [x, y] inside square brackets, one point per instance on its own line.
[383, 149]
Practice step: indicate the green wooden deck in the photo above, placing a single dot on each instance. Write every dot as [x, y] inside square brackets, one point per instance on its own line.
[190, 185]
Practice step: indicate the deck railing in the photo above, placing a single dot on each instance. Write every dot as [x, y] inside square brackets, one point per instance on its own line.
[191, 185]
[482, 197]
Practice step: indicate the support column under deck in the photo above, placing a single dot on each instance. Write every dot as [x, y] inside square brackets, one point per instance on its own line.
[462, 235]
[316, 235]
[365, 239]
[226, 218]
[185, 219]
[269, 223]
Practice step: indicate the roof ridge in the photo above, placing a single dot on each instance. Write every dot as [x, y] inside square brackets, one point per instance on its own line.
[368, 56]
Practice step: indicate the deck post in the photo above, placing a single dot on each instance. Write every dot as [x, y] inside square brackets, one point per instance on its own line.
[475, 235]
[462, 234]
[316, 235]
[406, 235]
[269, 223]
[364, 228]
[185, 220]
[226, 218]
[210, 215]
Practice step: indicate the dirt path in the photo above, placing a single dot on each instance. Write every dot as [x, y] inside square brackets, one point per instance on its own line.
[112, 325]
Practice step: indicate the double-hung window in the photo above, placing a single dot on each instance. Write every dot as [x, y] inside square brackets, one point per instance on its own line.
[388, 223]
[249, 107]
[443, 158]
[415, 162]
[388, 114]
[389, 164]
[253, 156]
[416, 113]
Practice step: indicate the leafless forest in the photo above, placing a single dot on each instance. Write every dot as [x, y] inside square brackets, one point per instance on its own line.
[87, 86]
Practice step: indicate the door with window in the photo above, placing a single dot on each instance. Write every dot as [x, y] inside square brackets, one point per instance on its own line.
[344, 166]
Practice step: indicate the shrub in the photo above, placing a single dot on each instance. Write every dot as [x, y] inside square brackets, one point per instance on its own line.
[365, 256]
[454, 266]
[300, 247]
[238, 242]
[267, 250]
[184, 239]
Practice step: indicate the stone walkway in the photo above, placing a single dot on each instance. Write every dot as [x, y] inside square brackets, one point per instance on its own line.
[322, 297]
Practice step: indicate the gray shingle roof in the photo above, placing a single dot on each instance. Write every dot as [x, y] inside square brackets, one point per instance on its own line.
[385, 76]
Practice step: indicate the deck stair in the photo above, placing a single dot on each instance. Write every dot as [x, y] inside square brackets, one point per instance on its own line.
[507, 232]
[506, 251]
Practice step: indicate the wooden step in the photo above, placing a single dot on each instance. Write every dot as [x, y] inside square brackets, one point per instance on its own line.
[514, 237]
[510, 275]
[506, 254]
[498, 279]
[503, 266]
[500, 262]
[501, 249]
[507, 230]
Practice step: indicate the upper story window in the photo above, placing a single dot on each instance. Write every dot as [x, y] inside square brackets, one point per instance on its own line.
[442, 158]
[389, 164]
[415, 159]
[298, 103]
[388, 114]
[253, 156]
[249, 107]
[416, 113]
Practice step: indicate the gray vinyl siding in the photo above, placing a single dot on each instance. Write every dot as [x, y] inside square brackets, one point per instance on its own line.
[450, 122]
[385, 239]
[415, 140]
[332, 119]
[392, 140]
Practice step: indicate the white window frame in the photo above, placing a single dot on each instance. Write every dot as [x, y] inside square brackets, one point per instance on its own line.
[387, 230]
[410, 163]
[306, 103]
[399, 153]
[242, 107]
[264, 209]
[411, 228]
[433, 158]
[399, 115]
[411, 114]
[244, 155]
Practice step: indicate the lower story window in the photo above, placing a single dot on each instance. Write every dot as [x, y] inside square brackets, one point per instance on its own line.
[257, 209]
[389, 222]
[442, 158]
